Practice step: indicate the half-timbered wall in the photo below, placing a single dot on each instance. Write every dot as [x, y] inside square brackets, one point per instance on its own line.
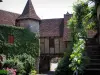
[59, 46]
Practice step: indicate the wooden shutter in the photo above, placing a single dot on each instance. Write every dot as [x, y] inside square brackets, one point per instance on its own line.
[11, 39]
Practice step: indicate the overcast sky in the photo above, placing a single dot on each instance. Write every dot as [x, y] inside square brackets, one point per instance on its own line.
[44, 8]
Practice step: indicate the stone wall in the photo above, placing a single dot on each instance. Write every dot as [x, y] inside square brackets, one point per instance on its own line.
[33, 25]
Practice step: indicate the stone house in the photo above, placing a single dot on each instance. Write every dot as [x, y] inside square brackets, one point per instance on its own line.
[53, 33]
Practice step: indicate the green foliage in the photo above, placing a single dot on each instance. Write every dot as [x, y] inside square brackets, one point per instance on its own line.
[63, 65]
[33, 72]
[63, 68]
[15, 64]
[79, 24]
[22, 53]
[28, 62]
[83, 19]
[22, 63]
[78, 57]
[24, 41]
[94, 13]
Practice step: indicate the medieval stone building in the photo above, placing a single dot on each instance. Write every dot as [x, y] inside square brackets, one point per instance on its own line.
[54, 33]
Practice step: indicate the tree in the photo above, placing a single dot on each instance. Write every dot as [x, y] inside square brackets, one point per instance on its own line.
[79, 24]
[63, 65]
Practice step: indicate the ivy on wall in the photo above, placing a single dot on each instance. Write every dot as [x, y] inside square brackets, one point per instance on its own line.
[24, 41]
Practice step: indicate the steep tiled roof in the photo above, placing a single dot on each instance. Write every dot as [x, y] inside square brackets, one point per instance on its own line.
[29, 12]
[48, 27]
[51, 27]
[8, 18]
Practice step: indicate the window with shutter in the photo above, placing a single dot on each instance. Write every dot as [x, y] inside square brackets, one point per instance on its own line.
[11, 39]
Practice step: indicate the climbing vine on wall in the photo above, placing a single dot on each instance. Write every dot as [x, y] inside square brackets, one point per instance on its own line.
[79, 24]
[24, 41]
[83, 19]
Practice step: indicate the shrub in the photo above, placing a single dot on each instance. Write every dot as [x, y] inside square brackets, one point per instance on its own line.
[22, 63]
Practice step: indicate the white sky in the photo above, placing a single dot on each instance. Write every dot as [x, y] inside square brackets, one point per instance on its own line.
[44, 8]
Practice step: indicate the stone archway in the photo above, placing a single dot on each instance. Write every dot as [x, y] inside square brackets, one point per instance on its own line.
[45, 62]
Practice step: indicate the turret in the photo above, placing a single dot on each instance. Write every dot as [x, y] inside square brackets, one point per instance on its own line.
[29, 18]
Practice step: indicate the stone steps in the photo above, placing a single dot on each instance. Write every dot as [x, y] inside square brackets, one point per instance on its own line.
[92, 72]
[93, 68]
[94, 57]
[95, 60]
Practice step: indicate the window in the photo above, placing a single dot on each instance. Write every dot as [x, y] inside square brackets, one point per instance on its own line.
[99, 17]
[10, 39]
[51, 42]
[66, 44]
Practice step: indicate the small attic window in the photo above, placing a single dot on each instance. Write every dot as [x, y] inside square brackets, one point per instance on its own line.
[11, 39]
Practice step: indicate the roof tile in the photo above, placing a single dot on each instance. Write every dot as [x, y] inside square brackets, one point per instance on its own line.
[8, 18]
[51, 27]
[29, 12]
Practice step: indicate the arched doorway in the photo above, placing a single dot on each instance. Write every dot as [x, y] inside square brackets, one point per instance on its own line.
[48, 63]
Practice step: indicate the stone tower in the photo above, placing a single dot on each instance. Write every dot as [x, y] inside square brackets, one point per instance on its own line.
[29, 18]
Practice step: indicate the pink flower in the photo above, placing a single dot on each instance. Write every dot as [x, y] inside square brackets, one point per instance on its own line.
[13, 71]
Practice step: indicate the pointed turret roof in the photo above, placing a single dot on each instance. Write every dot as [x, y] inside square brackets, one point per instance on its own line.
[29, 12]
